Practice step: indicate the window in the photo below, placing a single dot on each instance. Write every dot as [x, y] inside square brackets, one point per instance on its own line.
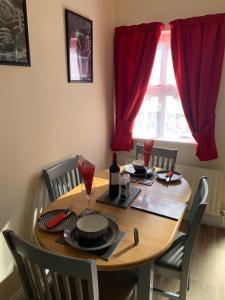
[161, 115]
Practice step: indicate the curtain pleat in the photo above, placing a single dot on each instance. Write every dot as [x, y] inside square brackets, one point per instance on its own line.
[134, 53]
[197, 46]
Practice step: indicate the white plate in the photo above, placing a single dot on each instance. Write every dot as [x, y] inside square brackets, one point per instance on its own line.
[138, 162]
[176, 177]
[92, 223]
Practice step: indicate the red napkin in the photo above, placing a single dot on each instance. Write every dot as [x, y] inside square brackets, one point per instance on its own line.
[147, 151]
[87, 171]
[169, 174]
[58, 218]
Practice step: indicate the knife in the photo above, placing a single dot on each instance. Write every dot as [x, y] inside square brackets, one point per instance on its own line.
[136, 237]
[59, 218]
[169, 175]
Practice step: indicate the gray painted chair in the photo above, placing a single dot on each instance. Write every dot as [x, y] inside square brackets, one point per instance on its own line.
[160, 157]
[62, 177]
[176, 261]
[47, 276]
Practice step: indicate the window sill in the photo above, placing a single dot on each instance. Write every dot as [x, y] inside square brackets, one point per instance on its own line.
[180, 141]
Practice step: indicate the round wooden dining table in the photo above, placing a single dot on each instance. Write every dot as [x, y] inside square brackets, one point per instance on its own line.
[156, 233]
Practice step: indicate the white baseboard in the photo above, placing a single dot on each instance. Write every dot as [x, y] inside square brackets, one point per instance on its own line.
[210, 220]
[19, 295]
[216, 221]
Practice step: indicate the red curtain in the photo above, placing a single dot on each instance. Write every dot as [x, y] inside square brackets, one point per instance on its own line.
[197, 46]
[134, 53]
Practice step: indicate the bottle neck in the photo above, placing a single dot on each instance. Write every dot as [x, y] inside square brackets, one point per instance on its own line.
[114, 157]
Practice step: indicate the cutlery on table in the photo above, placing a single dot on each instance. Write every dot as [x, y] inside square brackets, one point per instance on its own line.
[59, 218]
[136, 237]
[169, 175]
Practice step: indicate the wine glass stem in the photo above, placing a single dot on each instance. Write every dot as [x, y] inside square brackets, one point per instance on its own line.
[88, 202]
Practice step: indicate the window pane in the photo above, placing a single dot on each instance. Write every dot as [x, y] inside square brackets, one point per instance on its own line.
[175, 125]
[161, 115]
[146, 122]
[155, 76]
[170, 76]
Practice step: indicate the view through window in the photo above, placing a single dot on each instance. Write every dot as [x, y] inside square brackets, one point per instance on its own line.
[161, 115]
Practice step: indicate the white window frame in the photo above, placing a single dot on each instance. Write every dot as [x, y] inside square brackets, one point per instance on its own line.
[161, 92]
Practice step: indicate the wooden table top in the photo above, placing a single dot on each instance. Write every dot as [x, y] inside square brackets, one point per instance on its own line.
[156, 233]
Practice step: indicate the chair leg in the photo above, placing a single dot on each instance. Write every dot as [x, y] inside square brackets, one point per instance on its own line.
[188, 285]
[184, 283]
[134, 294]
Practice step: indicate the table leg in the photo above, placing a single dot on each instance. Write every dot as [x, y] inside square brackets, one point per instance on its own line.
[145, 281]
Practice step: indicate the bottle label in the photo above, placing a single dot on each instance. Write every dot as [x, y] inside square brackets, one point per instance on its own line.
[115, 178]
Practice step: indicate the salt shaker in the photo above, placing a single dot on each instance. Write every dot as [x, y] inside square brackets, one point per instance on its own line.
[123, 186]
[126, 176]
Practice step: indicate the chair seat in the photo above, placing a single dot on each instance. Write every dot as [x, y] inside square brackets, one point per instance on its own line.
[117, 285]
[173, 257]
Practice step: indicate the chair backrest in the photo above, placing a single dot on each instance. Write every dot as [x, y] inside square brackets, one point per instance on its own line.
[197, 199]
[139, 150]
[45, 275]
[160, 157]
[197, 211]
[62, 177]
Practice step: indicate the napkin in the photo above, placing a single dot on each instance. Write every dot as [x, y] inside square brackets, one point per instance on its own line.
[58, 218]
[147, 151]
[169, 175]
[87, 170]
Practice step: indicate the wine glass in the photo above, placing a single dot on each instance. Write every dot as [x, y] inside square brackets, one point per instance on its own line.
[88, 197]
[148, 145]
[147, 155]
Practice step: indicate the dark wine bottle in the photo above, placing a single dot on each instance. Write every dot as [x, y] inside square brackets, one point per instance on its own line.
[114, 176]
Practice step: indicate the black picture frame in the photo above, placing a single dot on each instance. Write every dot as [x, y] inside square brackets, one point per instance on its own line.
[14, 40]
[79, 45]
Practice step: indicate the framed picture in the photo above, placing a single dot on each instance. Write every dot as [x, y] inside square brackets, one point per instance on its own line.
[79, 46]
[14, 43]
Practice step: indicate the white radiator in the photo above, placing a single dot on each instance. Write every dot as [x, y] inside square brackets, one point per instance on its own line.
[215, 181]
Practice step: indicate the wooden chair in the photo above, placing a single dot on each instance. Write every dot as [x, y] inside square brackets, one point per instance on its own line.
[160, 157]
[62, 177]
[176, 261]
[47, 276]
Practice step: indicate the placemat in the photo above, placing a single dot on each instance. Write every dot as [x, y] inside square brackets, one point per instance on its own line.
[147, 181]
[160, 206]
[104, 253]
[104, 198]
